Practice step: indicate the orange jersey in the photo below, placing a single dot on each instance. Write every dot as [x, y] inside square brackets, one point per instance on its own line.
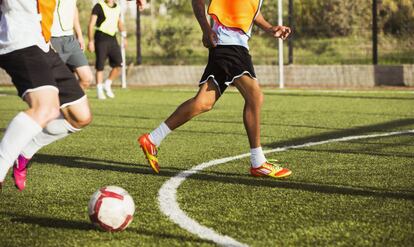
[235, 13]
[46, 9]
[25, 23]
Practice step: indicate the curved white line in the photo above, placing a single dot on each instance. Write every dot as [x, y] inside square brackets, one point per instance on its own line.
[167, 195]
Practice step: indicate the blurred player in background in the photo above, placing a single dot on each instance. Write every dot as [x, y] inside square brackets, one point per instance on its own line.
[57, 105]
[229, 63]
[67, 40]
[106, 22]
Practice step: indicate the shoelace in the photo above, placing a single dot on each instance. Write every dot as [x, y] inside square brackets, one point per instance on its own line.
[274, 163]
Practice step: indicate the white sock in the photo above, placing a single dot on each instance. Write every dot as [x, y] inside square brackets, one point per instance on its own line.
[257, 157]
[20, 131]
[99, 86]
[55, 130]
[108, 83]
[157, 135]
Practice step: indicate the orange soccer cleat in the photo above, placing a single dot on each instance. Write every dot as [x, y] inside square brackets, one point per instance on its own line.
[150, 151]
[270, 170]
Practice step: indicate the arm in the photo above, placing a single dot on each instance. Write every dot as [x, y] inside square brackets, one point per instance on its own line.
[209, 37]
[123, 31]
[91, 26]
[78, 30]
[281, 32]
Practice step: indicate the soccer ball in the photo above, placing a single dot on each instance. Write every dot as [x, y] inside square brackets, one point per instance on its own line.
[111, 208]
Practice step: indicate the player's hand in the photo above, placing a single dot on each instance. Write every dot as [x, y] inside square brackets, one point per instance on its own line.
[280, 32]
[81, 43]
[210, 39]
[141, 4]
[91, 46]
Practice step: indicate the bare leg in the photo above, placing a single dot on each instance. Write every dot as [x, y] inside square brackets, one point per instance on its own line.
[78, 115]
[253, 97]
[115, 72]
[99, 77]
[44, 107]
[202, 102]
[85, 76]
[74, 118]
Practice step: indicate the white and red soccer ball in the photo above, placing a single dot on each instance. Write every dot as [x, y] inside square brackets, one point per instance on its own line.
[111, 208]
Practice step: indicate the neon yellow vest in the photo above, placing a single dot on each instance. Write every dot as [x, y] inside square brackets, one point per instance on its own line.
[235, 13]
[110, 24]
[66, 14]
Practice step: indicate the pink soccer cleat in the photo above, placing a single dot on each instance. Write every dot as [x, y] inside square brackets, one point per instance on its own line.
[20, 172]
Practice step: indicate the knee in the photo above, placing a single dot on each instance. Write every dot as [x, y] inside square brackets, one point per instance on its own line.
[46, 113]
[81, 121]
[204, 106]
[86, 80]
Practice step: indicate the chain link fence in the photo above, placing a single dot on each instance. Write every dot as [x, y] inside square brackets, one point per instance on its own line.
[325, 32]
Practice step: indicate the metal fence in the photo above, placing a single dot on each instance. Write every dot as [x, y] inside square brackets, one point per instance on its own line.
[166, 32]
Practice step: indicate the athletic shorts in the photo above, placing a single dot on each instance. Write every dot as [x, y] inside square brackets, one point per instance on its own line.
[69, 51]
[108, 48]
[32, 69]
[227, 63]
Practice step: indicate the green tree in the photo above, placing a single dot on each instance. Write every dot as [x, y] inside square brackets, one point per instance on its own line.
[397, 16]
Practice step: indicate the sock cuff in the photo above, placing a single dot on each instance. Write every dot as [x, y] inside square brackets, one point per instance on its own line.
[256, 150]
[70, 127]
[165, 127]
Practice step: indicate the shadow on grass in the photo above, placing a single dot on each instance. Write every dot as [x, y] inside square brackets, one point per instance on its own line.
[311, 187]
[145, 129]
[227, 178]
[56, 223]
[240, 122]
[361, 152]
[97, 164]
[329, 95]
[363, 130]
[51, 222]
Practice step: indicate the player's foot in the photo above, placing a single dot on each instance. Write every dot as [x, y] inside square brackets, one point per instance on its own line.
[108, 91]
[150, 151]
[20, 172]
[270, 170]
[100, 91]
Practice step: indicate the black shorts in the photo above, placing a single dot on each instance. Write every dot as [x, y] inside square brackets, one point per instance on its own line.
[107, 47]
[227, 63]
[32, 69]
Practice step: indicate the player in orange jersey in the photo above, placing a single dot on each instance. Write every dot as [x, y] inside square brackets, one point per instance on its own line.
[229, 63]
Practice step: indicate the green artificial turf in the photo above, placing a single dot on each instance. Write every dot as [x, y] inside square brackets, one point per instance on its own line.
[354, 193]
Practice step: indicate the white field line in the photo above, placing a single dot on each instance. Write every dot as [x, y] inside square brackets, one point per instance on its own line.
[167, 195]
